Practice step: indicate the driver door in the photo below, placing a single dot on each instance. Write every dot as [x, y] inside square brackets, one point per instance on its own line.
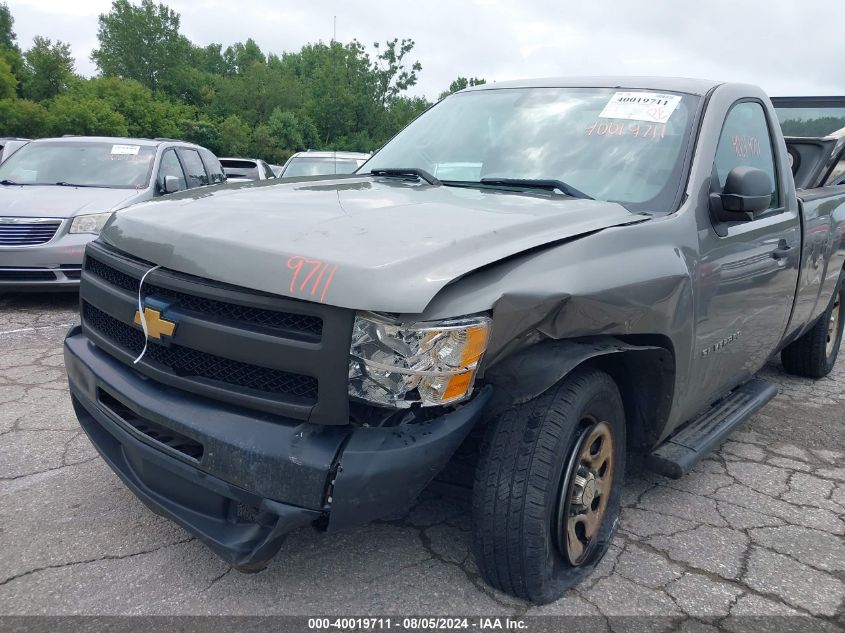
[748, 271]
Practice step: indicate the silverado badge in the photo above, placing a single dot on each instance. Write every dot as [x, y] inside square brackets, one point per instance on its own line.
[156, 326]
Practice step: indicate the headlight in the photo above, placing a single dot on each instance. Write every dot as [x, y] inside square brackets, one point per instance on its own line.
[398, 365]
[91, 223]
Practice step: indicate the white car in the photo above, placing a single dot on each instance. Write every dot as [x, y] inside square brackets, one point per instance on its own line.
[246, 169]
[322, 163]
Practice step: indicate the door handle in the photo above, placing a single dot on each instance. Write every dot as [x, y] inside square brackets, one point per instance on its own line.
[782, 251]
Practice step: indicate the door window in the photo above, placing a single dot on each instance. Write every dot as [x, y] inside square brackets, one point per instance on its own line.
[746, 142]
[194, 169]
[213, 167]
[170, 166]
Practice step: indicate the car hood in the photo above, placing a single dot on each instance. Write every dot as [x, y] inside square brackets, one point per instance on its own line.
[376, 244]
[37, 201]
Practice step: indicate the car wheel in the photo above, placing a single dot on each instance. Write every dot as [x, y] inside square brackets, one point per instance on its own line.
[547, 487]
[814, 354]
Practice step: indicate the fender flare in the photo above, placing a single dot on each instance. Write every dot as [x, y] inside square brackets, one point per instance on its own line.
[645, 375]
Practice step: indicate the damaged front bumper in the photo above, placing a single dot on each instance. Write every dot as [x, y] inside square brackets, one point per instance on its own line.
[239, 480]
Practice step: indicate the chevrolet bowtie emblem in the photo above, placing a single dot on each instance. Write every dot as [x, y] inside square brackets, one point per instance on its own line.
[156, 326]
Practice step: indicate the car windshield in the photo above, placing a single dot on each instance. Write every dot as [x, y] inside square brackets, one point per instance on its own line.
[313, 166]
[240, 169]
[611, 145]
[89, 164]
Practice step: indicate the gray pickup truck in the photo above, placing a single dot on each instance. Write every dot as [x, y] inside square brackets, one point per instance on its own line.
[574, 270]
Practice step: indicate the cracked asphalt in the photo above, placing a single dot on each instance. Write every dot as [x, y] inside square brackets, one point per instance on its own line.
[757, 529]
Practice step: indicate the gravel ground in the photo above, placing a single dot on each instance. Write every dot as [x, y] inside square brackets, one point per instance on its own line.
[757, 529]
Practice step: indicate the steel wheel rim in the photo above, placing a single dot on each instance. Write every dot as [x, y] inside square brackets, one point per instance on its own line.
[585, 491]
[833, 326]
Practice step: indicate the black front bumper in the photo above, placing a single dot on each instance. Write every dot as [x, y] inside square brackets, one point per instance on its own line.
[254, 477]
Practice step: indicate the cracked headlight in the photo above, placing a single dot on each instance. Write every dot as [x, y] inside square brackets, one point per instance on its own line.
[400, 364]
[90, 223]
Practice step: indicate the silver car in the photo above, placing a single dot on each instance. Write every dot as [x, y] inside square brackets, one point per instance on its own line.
[246, 169]
[322, 163]
[57, 193]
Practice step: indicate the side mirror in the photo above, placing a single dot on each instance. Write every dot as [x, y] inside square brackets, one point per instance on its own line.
[171, 184]
[747, 191]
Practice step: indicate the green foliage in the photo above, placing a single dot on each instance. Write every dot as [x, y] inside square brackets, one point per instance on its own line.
[89, 117]
[49, 69]
[240, 57]
[389, 67]
[8, 39]
[235, 136]
[235, 100]
[200, 131]
[140, 42]
[460, 83]
[24, 118]
[265, 146]
[292, 132]
[145, 115]
[8, 82]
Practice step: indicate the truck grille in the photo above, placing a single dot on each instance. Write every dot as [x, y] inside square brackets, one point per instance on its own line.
[282, 356]
[306, 325]
[188, 362]
[21, 232]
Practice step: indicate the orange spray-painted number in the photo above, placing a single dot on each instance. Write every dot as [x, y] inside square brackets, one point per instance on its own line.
[308, 276]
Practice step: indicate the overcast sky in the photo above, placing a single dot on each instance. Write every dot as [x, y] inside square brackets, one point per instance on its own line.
[784, 46]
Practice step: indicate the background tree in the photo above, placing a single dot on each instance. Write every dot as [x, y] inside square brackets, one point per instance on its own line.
[8, 38]
[49, 69]
[140, 42]
[235, 136]
[389, 67]
[460, 83]
[22, 117]
[234, 99]
[89, 117]
[8, 81]
[240, 57]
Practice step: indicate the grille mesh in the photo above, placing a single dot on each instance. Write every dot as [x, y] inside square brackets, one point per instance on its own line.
[285, 322]
[27, 234]
[183, 361]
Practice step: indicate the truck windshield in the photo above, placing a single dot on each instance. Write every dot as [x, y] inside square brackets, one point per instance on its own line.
[83, 163]
[623, 146]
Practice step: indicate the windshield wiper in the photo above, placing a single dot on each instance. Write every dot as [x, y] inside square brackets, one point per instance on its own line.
[62, 183]
[537, 183]
[6, 183]
[406, 171]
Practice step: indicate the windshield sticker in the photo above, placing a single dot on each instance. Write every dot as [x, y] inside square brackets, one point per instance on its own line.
[640, 106]
[639, 130]
[125, 150]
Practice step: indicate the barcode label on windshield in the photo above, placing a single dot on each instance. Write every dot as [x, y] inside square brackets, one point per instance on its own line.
[640, 106]
[125, 150]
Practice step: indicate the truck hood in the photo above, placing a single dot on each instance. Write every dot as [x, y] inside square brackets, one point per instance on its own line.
[377, 244]
[47, 201]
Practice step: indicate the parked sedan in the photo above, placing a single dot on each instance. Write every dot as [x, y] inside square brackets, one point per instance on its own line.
[245, 169]
[57, 194]
[322, 163]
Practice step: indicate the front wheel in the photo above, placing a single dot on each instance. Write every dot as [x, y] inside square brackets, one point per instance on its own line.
[547, 487]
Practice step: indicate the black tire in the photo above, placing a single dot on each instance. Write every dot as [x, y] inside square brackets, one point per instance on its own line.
[814, 354]
[526, 460]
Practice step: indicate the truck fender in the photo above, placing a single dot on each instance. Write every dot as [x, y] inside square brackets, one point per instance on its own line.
[645, 375]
